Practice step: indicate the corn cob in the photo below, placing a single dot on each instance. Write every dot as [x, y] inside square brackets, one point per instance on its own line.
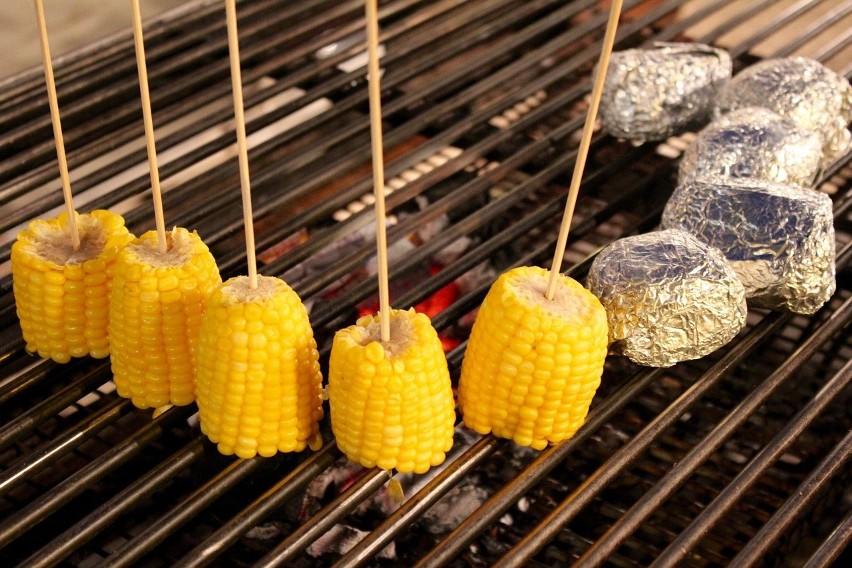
[533, 365]
[259, 381]
[391, 404]
[155, 313]
[62, 294]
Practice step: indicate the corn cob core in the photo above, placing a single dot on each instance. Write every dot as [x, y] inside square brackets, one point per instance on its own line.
[391, 404]
[533, 365]
[62, 294]
[259, 381]
[155, 313]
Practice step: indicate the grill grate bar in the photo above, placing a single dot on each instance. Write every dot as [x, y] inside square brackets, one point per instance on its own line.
[61, 444]
[436, 142]
[102, 53]
[552, 456]
[790, 14]
[112, 65]
[326, 518]
[259, 509]
[804, 496]
[833, 546]
[23, 520]
[835, 46]
[329, 312]
[201, 86]
[598, 416]
[221, 202]
[755, 9]
[121, 99]
[749, 475]
[90, 526]
[22, 424]
[135, 548]
[310, 181]
[813, 30]
[23, 379]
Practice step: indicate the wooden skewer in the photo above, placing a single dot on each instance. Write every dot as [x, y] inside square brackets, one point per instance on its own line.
[583, 150]
[375, 92]
[57, 126]
[159, 218]
[242, 146]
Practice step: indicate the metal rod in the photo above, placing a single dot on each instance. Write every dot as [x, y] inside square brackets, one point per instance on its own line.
[326, 518]
[814, 29]
[778, 22]
[420, 502]
[60, 495]
[260, 508]
[750, 474]
[204, 85]
[833, 546]
[104, 516]
[686, 466]
[803, 496]
[216, 205]
[61, 444]
[20, 425]
[534, 540]
[138, 546]
[124, 91]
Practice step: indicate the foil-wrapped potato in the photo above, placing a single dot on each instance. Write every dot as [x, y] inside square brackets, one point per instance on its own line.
[778, 239]
[654, 93]
[668, 297]
[754, 143]
[801, 89]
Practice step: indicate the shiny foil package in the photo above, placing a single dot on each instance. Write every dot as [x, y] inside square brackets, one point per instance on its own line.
[668, 297]
[801, 89]
[651, 94]
[754, 143]
[778, 239]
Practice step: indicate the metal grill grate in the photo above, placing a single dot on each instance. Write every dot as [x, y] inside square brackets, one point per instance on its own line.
[741, 456]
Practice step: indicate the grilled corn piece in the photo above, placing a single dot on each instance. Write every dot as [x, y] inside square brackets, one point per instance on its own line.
[391, 404]
[533, 365]
[259, 382]
[62, 294]
[155, 313]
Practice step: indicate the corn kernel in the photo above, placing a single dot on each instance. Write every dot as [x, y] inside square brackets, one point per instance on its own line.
[513, 376]
[252, 405]
[151, 358]
[379, 412]
[60, 293]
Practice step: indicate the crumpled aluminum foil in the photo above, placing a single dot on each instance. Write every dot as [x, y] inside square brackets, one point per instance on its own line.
[668, 297]
[754, 143]
[801, 89]
[651, 94]
[778, 239]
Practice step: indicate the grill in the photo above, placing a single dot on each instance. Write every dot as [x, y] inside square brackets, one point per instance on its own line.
[741, 457]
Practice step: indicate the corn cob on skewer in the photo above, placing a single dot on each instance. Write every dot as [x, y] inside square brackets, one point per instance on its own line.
[62, 294]
[259, 382]
[156, 306]
[391, 404]
[533, 365]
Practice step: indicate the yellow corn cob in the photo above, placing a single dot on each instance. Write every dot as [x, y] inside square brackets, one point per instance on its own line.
[155, 313]
[259, 381]
[62, 295]
[533, 365]
[391, 405]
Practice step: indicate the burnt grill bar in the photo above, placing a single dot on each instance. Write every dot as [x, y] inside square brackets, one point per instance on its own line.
[801, 498]
[85, 478]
